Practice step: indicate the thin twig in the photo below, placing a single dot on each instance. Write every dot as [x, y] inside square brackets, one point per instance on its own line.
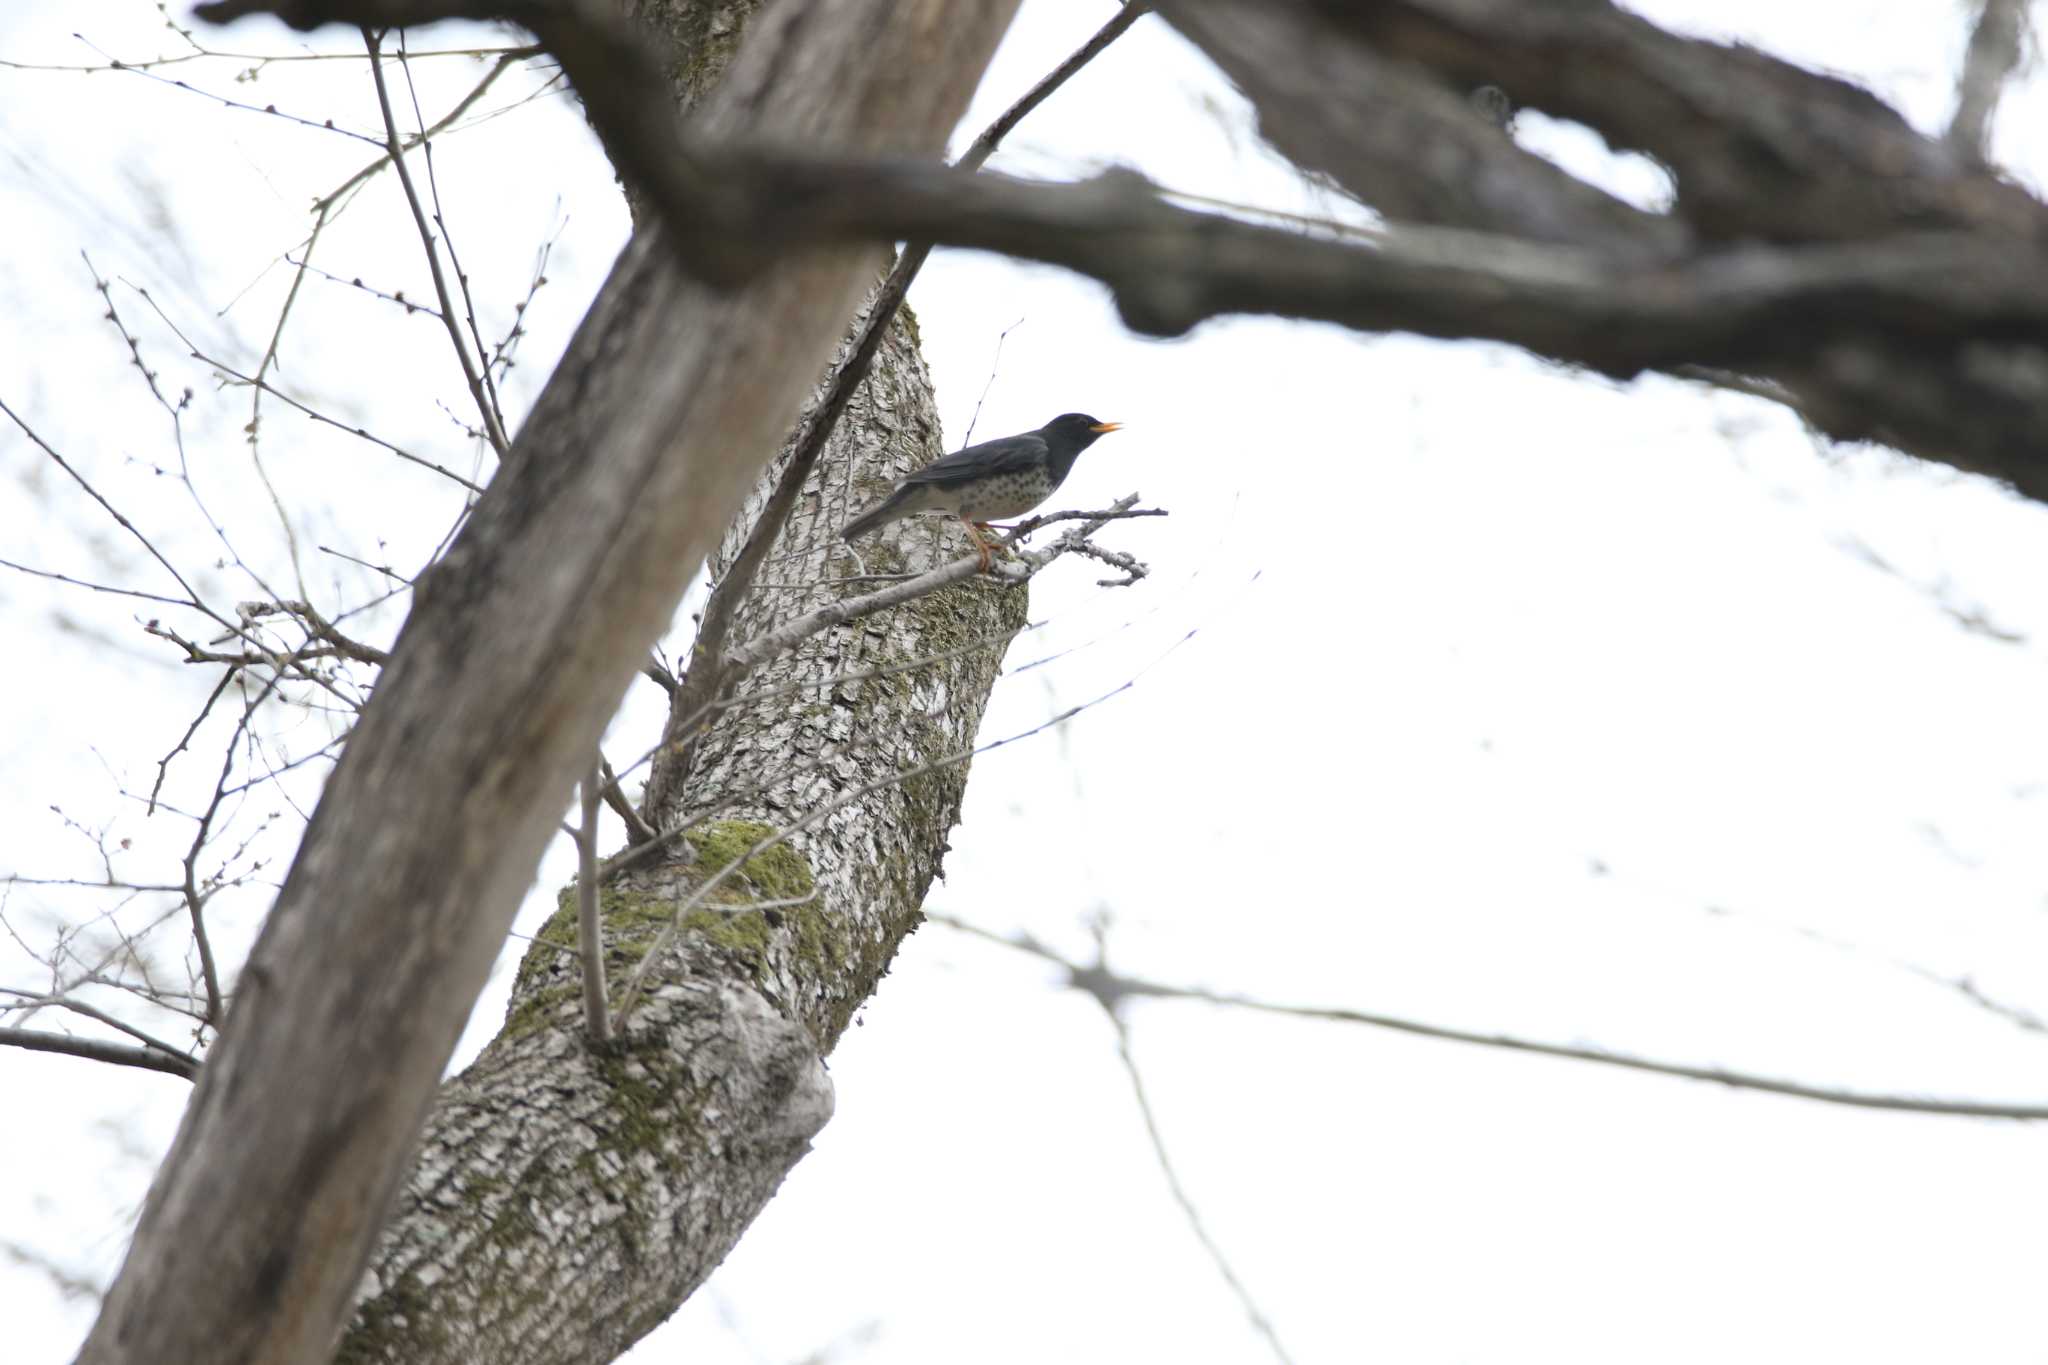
[1993, 55]
[259, 60]
[1259, 1321]
[320, 628]
[991, 136]
[797, 827]
[322, 125]
[163, 766]
[995, 365]
[589, 933]
[192, 598]
[394, 147]
[80, 1008]
[682, 727]
[1120, 986]
[635, 982]
[708, 675]
[86, 583]
[786, 636]
[356, 282]
[496, 415]
[195, 901]
[120, 1054]
[637, 829]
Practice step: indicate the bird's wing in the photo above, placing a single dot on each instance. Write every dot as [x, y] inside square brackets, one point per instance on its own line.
[1003, 456]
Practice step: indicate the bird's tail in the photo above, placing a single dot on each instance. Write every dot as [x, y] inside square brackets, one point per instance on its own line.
[888, 510]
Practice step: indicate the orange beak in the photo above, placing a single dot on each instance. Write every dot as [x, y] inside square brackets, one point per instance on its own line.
[1107, 426]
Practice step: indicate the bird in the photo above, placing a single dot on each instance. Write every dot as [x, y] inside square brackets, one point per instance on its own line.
[1006, 477]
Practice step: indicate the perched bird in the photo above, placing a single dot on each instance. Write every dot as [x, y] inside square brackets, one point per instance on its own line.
[1001, 478]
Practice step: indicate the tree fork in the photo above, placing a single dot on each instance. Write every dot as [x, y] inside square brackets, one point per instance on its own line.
[521, 642]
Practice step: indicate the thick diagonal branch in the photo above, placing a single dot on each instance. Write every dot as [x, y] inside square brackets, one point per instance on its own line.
[519, 647]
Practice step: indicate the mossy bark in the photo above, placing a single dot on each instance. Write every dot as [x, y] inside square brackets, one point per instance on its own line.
[568, 1198]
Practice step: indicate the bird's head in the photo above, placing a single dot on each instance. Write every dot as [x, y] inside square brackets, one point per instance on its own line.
[1076, 430]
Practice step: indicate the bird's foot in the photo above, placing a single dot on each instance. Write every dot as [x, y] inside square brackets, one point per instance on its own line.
[986, 548]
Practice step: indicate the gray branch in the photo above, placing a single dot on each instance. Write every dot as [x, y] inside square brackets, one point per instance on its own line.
[1111, 989]
[96, 1050]
[1819, 242]
[1993, 55]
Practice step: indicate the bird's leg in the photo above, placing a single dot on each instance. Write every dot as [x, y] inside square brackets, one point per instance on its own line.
[981, 545]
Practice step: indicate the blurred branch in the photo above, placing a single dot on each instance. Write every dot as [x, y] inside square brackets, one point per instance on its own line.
[1260, 1322]
[119, 1054]
[1992, 57]
[637, 829]
[1411, 146]
[1758, 147]
[191, 598]
[175, 1060]
[1894, 286]
[1111, 990]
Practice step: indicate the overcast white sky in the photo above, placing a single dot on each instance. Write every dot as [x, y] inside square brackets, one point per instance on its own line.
[1516, 701]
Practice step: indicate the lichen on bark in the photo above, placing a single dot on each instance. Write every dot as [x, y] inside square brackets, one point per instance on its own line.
[568, 1197]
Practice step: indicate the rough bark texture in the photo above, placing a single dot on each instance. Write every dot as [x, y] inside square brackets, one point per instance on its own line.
[520, 644]
[567, 1200]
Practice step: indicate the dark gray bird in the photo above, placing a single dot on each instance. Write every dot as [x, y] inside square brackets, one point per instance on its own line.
[1006, 477]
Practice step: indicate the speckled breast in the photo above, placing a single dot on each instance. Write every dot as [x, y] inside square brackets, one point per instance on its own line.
[1005, 495]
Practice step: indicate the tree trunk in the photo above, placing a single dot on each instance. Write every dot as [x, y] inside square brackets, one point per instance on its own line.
[521, 642]
[569, 1199]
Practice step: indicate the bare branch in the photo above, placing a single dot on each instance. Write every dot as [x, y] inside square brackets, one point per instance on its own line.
[120, 1054]
[394, 147]
[1906, 306]
[984, 146]
[1401, 141]
[195, 897]
[266, 386]
[711, 670]
[163, 767]
[32, 1002]
[1991, 59]
[142, 69]
[1758, 146]
[192, 598]
[91, 586]
[1114, 989]
[1260, 1322]
[637, 829]
[636, 981]
[784, 637]
[589, 930]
